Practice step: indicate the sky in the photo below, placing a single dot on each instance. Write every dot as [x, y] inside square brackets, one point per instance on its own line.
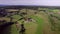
[31, 2]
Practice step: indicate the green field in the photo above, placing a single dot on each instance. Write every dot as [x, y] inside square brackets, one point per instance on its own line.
[38, 27]
[44, 22]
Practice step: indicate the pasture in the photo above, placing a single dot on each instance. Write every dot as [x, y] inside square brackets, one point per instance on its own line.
[36, 21]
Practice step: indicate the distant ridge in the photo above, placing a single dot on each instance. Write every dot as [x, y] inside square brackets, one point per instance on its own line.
[21, 5]
[4, 6]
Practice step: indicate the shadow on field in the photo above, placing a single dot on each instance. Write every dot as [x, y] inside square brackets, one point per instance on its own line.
[5, 28]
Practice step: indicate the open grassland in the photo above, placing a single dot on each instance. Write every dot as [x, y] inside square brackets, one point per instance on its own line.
[42, 24]
[46, 22]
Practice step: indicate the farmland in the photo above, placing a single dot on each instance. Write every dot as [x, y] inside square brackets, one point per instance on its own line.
[36, 21]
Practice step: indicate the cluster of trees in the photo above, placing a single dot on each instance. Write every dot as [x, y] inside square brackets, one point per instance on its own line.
[3, 13]
[52, 15]
[54, 24]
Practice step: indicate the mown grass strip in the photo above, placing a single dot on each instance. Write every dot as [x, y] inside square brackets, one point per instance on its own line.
[40, 24]
[14, 29]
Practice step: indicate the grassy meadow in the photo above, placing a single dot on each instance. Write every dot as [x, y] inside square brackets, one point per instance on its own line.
[44, 21]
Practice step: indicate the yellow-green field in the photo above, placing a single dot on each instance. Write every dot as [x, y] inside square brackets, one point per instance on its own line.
[45, 22]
